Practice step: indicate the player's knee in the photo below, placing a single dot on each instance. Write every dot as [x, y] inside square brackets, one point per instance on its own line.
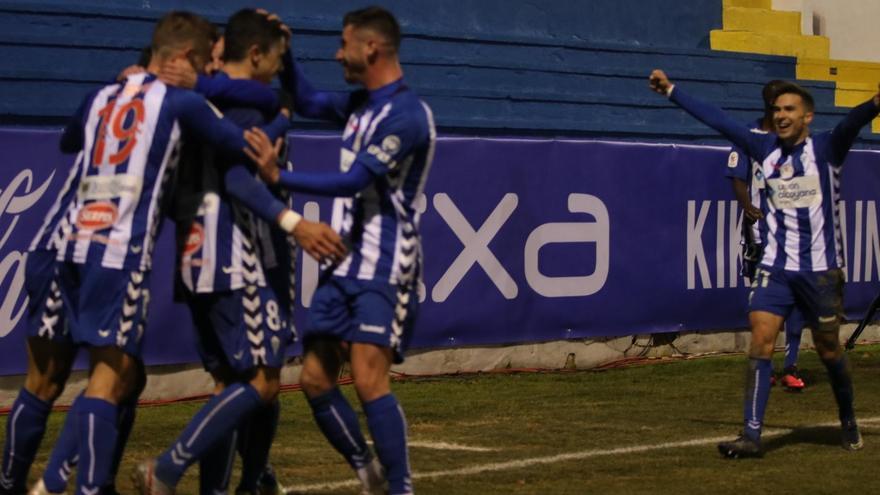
[268, 391]
[828, 327]
[827, 344]
[761, 346]
[48, 382]
[267, 383]
[314, 381]
[44, 387]
[370, 387]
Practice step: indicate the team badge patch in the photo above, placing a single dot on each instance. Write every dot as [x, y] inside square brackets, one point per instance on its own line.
[786, 171]
[391, 144]
[733, 159]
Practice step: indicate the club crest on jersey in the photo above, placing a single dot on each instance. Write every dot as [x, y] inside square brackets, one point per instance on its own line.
[786, 171]
[391, 144]
[194, 239]
[97, 216]
[733, 159]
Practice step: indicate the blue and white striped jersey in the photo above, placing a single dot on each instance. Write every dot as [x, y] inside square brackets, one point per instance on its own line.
[391, 132]
[743, 167]
[131, 142]
[226, 242]
[801, 186]
[48, 236]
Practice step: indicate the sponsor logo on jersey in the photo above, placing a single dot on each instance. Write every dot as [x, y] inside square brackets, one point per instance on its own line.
[385, 153]
[379, 154]
[97, 216]
[194, 239]
[104, 187]
[798, 192]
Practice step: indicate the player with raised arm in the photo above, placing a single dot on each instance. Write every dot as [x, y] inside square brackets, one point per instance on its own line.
[364, 307]
[747, 181]
[132, 132]
[803, 246]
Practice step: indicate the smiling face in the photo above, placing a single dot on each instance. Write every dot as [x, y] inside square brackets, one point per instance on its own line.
[354, 53]
[791, 118]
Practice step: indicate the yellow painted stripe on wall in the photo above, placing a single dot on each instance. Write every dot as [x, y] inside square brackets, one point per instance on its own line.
[761, 20]
[770, 43]
[752, 4]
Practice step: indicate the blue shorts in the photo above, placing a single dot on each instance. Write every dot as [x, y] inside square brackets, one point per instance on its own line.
[45, 309]
[363, 311]
[241, 329]
[105, 306]
[818, 295]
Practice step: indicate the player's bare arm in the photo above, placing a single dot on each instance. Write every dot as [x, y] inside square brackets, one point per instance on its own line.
[741, 191]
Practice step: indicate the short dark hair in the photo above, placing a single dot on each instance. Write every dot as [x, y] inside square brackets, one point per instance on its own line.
[771, 90]
[246, 28]
[795, 89]
[178, 28]
[377, 19]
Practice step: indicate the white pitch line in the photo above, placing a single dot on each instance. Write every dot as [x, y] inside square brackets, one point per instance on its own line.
[450, 446]
[584, 454]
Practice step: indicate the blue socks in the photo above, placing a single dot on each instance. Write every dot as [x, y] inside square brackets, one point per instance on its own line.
[127, 412]
[63, 457]
[215, 466]
[97, 427]
[25, 427]
[388, 429]
[254, 443]
[841, 384]
[64, 454]
[794, 328]
[339, 423]
[756, 397]
[216, 420]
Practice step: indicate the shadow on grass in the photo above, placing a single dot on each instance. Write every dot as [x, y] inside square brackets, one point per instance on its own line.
[816, 435]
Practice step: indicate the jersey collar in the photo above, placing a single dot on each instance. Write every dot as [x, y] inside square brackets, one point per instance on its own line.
[387, 91]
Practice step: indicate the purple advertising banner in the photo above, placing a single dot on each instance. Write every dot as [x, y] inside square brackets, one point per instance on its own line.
[524, 240]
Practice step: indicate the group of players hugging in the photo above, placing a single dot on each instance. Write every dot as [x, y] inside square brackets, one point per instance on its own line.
[194, 133]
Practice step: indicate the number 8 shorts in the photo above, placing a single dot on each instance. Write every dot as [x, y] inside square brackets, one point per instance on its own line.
[242, 329]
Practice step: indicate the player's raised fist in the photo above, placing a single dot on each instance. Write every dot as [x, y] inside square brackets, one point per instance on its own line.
[659, 82]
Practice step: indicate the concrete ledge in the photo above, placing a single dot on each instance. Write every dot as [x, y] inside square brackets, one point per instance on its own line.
[173, 382]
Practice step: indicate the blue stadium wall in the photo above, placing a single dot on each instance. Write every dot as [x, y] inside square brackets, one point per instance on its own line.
[566, 200]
